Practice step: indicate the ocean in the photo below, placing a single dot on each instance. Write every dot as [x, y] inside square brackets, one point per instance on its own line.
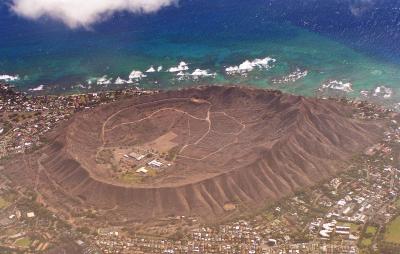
[350, 47]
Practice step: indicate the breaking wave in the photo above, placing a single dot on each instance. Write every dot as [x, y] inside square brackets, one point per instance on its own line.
[248, 66]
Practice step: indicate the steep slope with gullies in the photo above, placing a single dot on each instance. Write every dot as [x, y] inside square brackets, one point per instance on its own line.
[237, 145]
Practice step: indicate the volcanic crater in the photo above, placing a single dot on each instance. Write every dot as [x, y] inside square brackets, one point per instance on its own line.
[231, 145]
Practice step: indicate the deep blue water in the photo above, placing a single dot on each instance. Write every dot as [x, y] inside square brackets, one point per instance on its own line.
[355, 41]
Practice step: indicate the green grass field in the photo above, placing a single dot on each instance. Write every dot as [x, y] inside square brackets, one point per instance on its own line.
[392, 232]
[397, 203]
[3, 203]
[23, 242]
[371, 230]
[354, 228]
[366, 242]
[152, 172]
[131, 178]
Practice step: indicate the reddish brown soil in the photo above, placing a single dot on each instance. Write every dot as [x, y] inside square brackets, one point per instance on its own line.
[237, 145]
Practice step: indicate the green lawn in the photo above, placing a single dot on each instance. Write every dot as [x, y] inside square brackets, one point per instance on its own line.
[354, 228]
[397, 203]
[366, 242]
[152, 172]
[23, 242]
[371, 230]
[3, 203]
[392, 232]
[131, 178]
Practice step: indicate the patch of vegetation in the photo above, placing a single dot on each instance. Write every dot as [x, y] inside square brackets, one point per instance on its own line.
[367, 237]
[84, 230]
[392, 231]
[114, 166]
[397, 203]
[131, 178]
[371, 230]
[178, 235]
[24, 242]
[105, 156]
[3, 203]
[366, 242]
[10, 196]
[152, 172]
[354, 228]
[172, 154]
[269, 216]
[6, 125]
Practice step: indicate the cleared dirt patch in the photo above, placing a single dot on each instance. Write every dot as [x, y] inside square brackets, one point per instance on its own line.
[164, 143]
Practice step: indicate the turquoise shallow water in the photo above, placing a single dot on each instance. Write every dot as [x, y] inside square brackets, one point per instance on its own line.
[63, 60]
[322, 57]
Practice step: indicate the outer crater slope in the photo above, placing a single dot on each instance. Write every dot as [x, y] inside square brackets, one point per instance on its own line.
[230, 145]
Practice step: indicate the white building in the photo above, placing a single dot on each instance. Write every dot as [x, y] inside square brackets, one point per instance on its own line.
[155, 163]
[30, 215]
[142, 170]
[136, 156]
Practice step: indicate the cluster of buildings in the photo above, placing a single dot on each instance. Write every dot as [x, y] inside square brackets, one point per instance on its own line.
[363, 196]
[25, 119]
[145, 163]
[237, 237]
[25, 227]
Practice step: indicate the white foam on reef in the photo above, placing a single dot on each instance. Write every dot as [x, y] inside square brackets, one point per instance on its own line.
[39, 88]
[195, 75]
[364, 93]
[79, 85]
[151, 69]
[9, 78]
[198, 73]
[397, 106]
[159, 68]
[104, 80]
[383, 91]
[338, 85]
[292, 77]
[136, 75]
[182, 75]
[248, 66]
[120, 81]
[181, 67]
